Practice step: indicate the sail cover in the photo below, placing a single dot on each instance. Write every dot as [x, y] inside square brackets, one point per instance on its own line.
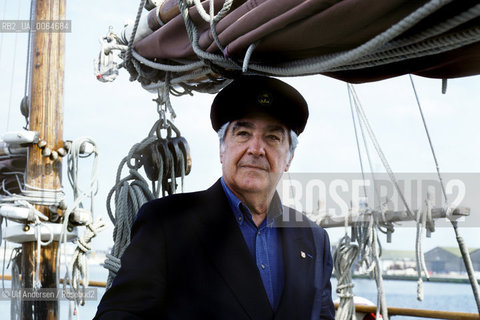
[352, 40]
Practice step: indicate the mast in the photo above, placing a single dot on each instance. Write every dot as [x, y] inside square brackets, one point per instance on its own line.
[43, 173]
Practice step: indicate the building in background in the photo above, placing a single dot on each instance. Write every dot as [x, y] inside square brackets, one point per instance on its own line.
[449, 260]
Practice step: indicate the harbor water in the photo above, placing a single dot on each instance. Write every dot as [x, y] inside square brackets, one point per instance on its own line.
[437, 296]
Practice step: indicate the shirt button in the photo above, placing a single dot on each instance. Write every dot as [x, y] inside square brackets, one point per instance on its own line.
[239, 218]
[259, 232]
[263, 266]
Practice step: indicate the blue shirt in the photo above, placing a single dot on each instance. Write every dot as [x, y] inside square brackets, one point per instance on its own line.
[263, 242]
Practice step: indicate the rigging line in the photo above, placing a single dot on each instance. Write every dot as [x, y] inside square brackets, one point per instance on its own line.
[429, 139]
[468, 264]
[380, 153]
[364, 138]
[13, 68]
[356, 136]
[128, 55]
[365, 144]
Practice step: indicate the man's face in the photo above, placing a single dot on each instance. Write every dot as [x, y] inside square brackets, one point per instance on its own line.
[255, 154]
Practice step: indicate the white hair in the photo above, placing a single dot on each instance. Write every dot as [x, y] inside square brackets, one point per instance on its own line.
[293, 140]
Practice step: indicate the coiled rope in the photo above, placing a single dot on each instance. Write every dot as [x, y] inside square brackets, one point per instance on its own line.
[164, 160]
[130, 193]
[343, 260]
[79, 263]
[76, 273]
[369, 256]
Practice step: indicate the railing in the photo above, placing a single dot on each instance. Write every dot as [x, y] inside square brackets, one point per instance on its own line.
[435, 314]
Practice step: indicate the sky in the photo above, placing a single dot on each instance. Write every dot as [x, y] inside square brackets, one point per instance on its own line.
[119, 114]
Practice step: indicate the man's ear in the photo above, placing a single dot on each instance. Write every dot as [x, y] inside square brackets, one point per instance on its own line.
[289, 162]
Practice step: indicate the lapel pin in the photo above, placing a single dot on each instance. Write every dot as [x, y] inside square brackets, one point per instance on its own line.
[305, 255]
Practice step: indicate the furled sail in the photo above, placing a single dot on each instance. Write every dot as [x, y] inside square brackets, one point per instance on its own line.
[352, 40]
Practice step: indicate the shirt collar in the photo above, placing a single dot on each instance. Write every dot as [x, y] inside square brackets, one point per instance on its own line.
[239, 209]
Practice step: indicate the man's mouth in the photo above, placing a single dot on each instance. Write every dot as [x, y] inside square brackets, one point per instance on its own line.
[249, 166]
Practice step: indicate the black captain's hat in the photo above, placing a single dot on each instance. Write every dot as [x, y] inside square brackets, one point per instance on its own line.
[259, 94]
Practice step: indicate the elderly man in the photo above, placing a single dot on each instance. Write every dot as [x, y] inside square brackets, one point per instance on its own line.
[232, 251]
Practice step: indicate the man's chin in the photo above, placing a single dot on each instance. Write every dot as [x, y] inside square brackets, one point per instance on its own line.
[253, 184]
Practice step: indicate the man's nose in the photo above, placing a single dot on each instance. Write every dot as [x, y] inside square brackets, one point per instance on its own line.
[256, 146]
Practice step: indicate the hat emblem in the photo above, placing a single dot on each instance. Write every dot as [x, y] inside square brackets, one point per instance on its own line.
[265, 99]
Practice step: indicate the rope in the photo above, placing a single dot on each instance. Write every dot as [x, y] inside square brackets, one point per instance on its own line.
[112, 264]
[381, 299]
[192, 32]
[164, 159]
[79, 264]
[328, 62]
[209, 17]
[15, 304]
[369, 257]
[381, 155]
[343, 259]
[77, 271]
[164, 99]
[248, 55]
[383, 225]
[37, 284]
[205, 87]
[366, 232]
[4, 255]
[356, 134]
[128, 55]
[74, 155]
[445, 26]
[419, 256]
[427, 47]
[129, 197]
[167, 67]
[33, 195]
[432, 149]
[109, 47]
[214, 19]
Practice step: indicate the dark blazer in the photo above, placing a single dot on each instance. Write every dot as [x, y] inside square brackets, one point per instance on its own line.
[187, 260]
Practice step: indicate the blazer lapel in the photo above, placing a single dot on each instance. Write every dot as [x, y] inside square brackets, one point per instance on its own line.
[225, 246]
[299, 258]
